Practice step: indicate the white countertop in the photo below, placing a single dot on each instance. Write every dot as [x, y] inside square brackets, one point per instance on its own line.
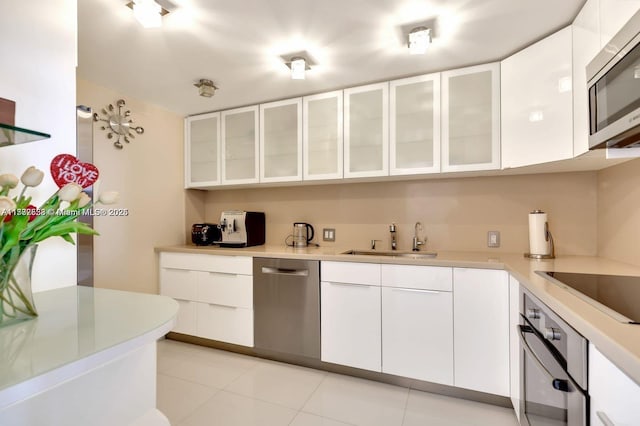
[617, 341]
[77, 329]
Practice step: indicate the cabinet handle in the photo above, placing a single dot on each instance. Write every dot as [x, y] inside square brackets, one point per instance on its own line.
[351, 284]
[222, 306]
[604, 419]
[283, 271]
[415, 290]
[227, 274]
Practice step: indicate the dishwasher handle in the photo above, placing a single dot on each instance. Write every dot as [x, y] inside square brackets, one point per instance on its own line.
[284, 271]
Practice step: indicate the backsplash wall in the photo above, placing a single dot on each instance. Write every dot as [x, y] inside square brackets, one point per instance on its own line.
[619, 212]
[456, 213]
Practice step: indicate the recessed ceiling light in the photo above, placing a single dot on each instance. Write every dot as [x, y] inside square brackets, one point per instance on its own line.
[206, 88]
[419, 40]
[299, 64]
[148, 12]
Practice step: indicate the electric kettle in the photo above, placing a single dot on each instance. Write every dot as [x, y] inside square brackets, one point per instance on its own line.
[302, 234]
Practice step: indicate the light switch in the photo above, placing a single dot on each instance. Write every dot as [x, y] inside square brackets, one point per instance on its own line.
[493, 239]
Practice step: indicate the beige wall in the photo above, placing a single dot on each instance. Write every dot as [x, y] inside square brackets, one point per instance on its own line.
[456, 213]
[619, 212]
[148, 173]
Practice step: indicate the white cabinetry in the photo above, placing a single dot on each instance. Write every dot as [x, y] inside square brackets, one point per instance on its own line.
[350, 314]
[514, 343]
[414, 139]
[537, 103]
[615, 398]
[281, 141]
[417, 322]
[481, 330]
[202, 150]
[471, 118]
[322, 139]
[586, 45]
[613, 15]
[366, 132]
[240, 145]
[215, 294]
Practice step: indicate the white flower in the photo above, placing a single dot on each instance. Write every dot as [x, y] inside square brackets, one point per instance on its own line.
[8, 180]
[32, 176]
[109, 197]
[83, 199]
[70, 192]
[7, 205]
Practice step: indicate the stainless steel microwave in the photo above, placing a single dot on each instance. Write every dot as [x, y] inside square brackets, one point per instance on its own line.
[614, 90]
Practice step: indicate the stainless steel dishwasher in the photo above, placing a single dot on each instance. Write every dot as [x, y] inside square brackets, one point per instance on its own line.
[286, 306]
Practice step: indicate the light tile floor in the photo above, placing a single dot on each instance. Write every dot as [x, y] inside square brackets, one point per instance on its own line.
[200, 386]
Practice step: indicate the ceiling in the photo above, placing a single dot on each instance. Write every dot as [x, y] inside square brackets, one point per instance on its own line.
[238, 44]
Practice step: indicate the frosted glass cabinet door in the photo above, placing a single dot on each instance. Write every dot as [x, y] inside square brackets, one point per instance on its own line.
[202, 150]
[281, 141]
[322, 136]
[414, 140]
[366, 133]
[471, 118]
[240, 145]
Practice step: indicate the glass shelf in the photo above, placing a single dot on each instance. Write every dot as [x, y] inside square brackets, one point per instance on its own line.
[11, 135]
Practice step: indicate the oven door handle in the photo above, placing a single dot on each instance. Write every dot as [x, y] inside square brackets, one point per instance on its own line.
[558, 384]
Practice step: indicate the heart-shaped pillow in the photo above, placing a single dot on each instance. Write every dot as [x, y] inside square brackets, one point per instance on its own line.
[65, 168]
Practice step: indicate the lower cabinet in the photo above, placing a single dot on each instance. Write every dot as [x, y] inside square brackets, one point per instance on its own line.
[514, 343]
[615, 398]
[215, 295]
[481, 330]
[417, 322]
[350, 314]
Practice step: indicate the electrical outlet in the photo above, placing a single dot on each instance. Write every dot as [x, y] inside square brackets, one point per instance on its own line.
[493, 239]
[328, 234]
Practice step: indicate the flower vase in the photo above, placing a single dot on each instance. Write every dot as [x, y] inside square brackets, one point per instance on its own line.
[16, 297]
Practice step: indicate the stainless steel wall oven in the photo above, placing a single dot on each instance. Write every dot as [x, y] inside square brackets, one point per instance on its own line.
[553, 368]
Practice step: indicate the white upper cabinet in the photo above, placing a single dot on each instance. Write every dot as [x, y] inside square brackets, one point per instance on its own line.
[586, 45]
[471, 118]
[281, 141]
[366, 132]
[415, 125]
[322, 141]
[613, 15]
[240, 145]
[537, 103]
[202, 150]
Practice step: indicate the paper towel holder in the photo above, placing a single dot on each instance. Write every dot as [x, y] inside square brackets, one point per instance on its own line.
[548, 237]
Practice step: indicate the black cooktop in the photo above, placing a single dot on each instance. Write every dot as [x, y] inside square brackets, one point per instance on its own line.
[616, 295]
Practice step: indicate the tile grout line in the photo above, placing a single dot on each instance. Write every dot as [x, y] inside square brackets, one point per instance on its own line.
[309, 397]
[406, 404]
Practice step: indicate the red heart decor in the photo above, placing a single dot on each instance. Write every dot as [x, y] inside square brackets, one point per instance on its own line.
[65, 168]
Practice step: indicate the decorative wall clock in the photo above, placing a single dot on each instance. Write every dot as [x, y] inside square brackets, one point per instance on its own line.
[118, 124]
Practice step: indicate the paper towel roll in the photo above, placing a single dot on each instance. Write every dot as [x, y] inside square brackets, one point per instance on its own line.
[538, 243]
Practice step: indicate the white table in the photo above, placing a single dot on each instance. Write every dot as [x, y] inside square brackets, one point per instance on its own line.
[88, 359]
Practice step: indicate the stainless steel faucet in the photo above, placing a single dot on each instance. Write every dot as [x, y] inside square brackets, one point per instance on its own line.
[416, 240]
[373, 244]
[394, 241]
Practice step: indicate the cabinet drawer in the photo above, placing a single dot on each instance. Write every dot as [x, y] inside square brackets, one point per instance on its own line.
[419, 277]
[350, 272]
[186, 319]
[178, 283]
[207, 262]
[225, 324]
[225, 289]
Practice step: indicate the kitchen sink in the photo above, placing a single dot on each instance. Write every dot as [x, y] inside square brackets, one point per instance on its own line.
[407, 254]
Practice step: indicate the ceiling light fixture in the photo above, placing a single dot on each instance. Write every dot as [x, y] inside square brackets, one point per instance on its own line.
[148, 12]
[419, 39]
[298, 68]
[206, 88]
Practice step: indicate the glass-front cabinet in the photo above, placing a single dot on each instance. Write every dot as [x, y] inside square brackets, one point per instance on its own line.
[281, 141]
[366, 132]
[471, 118]
[414, 145]
[239, 138]
[322, 138]
[202, 150]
